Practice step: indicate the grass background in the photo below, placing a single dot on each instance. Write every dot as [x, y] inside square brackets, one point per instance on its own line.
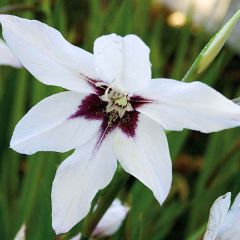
[205, 165]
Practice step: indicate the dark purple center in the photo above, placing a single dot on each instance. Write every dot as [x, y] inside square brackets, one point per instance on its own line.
[93, 108]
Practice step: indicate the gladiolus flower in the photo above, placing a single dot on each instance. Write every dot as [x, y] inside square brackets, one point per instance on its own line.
[223, 222]
[113, 111]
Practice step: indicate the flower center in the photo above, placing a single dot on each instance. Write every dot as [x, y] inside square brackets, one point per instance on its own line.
[113, 107]
[117, 102]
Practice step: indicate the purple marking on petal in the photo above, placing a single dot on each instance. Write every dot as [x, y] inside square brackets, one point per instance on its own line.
[92, 82]
[99, 90]
[128, 123]
[93, 108]
[102, 135]
[137, 101]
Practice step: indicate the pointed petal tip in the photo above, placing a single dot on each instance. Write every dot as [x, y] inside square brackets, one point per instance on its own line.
[161, 199]
[60, 227]
[58, 230]
[227, 196]
[223, 199]
[14, 146]
[6, 20]
[59, 224]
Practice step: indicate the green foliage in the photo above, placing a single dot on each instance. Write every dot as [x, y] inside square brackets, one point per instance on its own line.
[205, 166]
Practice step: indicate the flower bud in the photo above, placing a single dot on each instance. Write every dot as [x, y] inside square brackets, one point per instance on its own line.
[216, 43]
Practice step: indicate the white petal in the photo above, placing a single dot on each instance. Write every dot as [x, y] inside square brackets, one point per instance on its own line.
[21, 235]
[6, 56]
[146, 156]
[123, 61]
[47, 55]
[230, 228]
[47, 127]
[193, 106]
[77, 181]
[218, 213]
[111, 220]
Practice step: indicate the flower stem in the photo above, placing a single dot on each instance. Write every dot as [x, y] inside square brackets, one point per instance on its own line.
[104, 202]
[192, 72]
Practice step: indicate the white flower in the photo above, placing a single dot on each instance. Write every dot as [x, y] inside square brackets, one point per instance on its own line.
[223, 223]
[113, 111]
[6, 56]
[111, 220]
[21, 234]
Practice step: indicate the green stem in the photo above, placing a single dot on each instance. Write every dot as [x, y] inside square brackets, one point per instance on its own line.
[105, 201]
[192, 72]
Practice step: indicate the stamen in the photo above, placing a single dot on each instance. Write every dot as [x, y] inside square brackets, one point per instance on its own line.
[101, 84]
[118, 101]
[112, 118]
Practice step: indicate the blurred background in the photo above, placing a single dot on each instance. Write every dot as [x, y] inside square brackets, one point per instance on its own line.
[205, 165]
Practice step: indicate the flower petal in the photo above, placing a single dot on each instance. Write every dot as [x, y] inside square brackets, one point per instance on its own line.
[146, 156]
[193, 106]
[47, 126]
[218, 213]
[6, 56]
[21, 234]
[77, 181]
[47, 55]
[123, 61]
[111, 220]
[230, 228]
